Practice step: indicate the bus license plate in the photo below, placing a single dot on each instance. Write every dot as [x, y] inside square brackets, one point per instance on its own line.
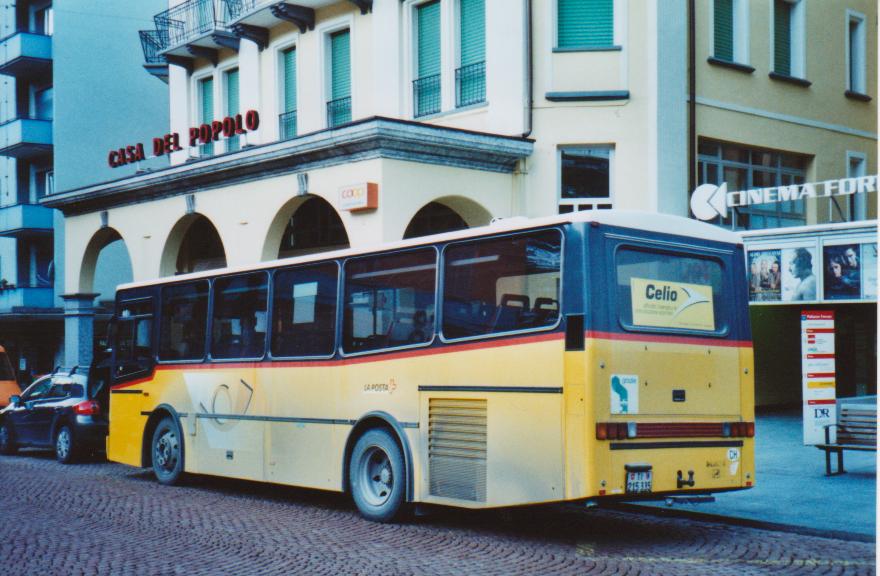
[638, 482]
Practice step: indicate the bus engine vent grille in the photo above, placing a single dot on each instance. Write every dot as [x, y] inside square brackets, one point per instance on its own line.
[457, 448]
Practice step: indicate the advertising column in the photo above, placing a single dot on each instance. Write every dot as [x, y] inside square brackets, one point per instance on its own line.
[817, 363]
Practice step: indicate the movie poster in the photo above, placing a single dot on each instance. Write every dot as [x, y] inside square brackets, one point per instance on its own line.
[869, 271]
[799, 268]
[842, 272]
[765, 275]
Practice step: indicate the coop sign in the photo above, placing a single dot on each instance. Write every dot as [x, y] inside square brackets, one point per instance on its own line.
[359, 197]
[205, 133]
[710, 201]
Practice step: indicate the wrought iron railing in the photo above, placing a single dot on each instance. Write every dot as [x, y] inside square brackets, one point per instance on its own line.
[237, 8]
[153, 42]
[191, 19]
[287, 125]
[470, 84]
[338, 111]
[426, 95]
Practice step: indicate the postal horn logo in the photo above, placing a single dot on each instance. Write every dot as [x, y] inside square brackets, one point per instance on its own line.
[693, 298]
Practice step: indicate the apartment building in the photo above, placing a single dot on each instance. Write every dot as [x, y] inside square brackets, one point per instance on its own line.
[304, 126]
[56, 109]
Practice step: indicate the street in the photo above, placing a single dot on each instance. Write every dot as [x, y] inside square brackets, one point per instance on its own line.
[102, 518]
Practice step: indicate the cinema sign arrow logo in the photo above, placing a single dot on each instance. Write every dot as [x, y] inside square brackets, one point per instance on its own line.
[710, 201]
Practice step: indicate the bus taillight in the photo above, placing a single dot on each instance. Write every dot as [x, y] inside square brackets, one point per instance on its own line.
[616, 430]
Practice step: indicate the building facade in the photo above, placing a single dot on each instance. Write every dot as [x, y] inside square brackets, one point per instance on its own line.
[303, 126]
[52, 115]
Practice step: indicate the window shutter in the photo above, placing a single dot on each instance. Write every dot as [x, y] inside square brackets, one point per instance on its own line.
[290, 80]
[473, 31]
[724, 30]
[340, 65]
[207, 110]
[428, 22]
[232, 93]
[585, 23]
[782, 37]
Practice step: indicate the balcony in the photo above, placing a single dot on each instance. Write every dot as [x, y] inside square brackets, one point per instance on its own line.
[338, 112]
[26, 55]
[26, 138]
[15, 298]
[287, 125]
[470, 85]
[25, 220]
[264, 14]
[153, 42]
[426, 95]
[195, 28]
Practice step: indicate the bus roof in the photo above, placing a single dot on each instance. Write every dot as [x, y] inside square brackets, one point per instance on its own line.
[638, 220]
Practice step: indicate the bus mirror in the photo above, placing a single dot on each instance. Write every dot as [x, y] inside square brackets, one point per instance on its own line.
[15, 399]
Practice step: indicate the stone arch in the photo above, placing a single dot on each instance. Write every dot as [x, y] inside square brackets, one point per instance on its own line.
[447, 214]
[106, 263]
[304, 225]
[194, 244]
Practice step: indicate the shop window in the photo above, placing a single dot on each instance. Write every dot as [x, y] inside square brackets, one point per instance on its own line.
[585, 178]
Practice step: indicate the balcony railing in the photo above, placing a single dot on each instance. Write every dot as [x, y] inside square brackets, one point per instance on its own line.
[153, 42]
[12, 297]
[470, 84]
[26, 55]
[287, 125]
[26, 137]
[192, 19]
[426, 95]
[25, 220]
[338, 111]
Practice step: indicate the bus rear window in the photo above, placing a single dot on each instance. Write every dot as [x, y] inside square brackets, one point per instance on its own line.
[664, 291]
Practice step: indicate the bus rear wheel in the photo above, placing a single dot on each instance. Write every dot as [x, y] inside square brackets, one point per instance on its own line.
[377, 476]
[167, 452]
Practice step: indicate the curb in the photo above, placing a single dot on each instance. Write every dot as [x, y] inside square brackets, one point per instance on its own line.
[746, 522]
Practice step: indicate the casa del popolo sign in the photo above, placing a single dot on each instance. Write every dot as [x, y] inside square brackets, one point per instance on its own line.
[203, 134]
[710, 201]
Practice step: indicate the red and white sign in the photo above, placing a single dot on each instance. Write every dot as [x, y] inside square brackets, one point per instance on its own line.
[819, 374]
[359, 197]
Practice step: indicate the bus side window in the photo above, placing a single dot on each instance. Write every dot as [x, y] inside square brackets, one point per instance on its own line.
[389, 300]
[304, 311]
[239, 317]
[184, 321]
[502, 284]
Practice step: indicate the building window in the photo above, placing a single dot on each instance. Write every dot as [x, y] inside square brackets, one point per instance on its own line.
[232, 106]
[470, 77]
[788, 38]
[855, 53]
[44, 103]
[426, 86]
[584, 24]
[287, 119]
[339, 105]
[206, 111]
[585, 178]
[44, 21]
[45, 183]
[743, 169]
[730, 30]
[858, 203]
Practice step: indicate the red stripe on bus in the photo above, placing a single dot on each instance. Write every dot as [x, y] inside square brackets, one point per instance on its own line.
[815, 402]
[669, 339]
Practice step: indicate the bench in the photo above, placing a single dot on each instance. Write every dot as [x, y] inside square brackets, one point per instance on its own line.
[856, 430]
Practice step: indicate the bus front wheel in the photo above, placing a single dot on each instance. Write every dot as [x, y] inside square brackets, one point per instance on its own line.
[377, 476]
[167, 452]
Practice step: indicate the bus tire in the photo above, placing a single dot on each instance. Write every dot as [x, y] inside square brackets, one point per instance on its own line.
[167, 452]
[7, 441]
[65, 449]
[377, 476]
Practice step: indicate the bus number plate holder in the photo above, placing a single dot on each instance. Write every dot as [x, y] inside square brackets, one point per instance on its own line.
[639, 478]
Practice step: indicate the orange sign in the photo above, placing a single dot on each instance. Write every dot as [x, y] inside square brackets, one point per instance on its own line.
[359, 197]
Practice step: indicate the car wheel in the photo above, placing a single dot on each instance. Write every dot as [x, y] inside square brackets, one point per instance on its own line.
[167, 453]
[377, 476]
[7, 444]
[65, 451]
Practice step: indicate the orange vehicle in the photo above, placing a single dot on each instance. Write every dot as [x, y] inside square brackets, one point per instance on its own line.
[8, 385]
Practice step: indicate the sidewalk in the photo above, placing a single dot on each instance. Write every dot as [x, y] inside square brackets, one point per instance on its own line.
[792, 489]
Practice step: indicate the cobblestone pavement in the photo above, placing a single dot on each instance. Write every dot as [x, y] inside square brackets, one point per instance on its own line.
[101, 518]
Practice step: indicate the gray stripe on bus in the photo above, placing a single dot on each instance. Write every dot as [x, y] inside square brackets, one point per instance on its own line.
[280, 419]
[522, 389]
[692, 444]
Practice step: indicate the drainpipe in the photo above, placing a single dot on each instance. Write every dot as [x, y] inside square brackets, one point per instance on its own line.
[692, 98]
[529, 73]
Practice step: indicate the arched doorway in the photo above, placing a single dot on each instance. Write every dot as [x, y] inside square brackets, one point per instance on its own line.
[105, 265]
[446, 215]
[192, 246]
[305, 225]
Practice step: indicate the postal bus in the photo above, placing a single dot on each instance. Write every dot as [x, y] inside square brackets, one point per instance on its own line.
[587, 356]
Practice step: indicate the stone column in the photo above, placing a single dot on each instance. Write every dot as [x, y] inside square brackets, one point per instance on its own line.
[79, 328]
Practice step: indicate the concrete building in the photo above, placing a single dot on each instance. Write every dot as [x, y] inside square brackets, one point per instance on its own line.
[301, 126]
[67, 69]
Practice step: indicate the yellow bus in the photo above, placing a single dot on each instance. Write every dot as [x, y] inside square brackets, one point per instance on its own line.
[597, 355]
